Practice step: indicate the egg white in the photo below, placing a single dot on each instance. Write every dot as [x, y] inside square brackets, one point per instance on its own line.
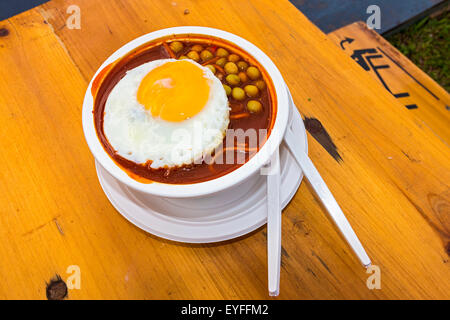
[138, 136]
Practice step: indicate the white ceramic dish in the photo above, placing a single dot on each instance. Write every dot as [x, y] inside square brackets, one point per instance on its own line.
[231, 179]
[223, 216]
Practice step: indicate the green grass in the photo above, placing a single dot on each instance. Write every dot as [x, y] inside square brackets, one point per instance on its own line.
[426, 43]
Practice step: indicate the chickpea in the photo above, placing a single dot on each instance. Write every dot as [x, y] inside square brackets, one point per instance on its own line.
[176, 46]
[221, 62]
[233, 79]
[182, 57]
[193, 55]
[197, 48]
[251, 90]
[253, 73]
[221, 52]
[211, 67]
[206, 55]
[227, 89]
[238, 93]
[254, 106]
[233, 58]
[260, 84]
[231, 67]
[242, 65]
[243, 76]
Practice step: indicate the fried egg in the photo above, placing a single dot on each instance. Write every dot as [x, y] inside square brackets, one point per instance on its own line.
[166, 113]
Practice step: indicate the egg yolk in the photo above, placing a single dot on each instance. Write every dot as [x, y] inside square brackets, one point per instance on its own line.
[174, 91]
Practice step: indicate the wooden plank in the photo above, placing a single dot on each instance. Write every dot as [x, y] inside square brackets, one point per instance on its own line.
[425, 99]
[392, 179]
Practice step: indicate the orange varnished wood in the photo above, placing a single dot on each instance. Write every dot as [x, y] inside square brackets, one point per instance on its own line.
[392, 182]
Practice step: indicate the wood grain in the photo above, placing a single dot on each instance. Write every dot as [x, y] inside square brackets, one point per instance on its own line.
[427, 100]
[392, 182]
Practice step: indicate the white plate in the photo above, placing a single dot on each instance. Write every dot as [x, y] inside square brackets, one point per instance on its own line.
[223, 216]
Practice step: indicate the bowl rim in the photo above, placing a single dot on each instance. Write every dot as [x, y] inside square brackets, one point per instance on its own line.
[210, 186]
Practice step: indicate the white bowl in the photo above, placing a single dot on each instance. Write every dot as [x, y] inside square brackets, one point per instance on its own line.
[233, 178]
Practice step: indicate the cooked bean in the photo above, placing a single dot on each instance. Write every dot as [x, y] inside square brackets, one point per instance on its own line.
[221, 62]
[251, 90]
[176, 46]
[206, 55]
[254, 106]
[233, 57]
[230, 67]
[242, 65]
[253, 73]
[211, 67]
[193, 55]
[227, 89]
[238, 93]
[221, 52]
[182, 57]
[233, 79]
[260, 84]
[243, 76]
[197, 48]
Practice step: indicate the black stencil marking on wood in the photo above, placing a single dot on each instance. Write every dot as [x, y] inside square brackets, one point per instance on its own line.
[409, 74]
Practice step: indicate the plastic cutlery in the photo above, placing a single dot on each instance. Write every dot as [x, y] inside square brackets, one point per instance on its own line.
[274, 225]
[323, 193]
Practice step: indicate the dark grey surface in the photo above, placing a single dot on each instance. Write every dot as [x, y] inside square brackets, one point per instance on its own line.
[9, 8]
[330, 15]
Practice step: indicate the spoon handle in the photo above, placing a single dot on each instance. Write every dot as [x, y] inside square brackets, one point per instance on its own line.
[326, 198]
[274, 225]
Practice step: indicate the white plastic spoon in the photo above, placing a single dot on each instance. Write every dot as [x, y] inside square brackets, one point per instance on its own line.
[324, 194]
[273, 224]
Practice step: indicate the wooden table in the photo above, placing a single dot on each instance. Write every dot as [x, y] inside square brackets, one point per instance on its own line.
[391, 177]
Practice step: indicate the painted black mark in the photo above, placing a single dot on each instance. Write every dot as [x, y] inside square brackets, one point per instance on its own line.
[4, 32]
[411, 76]
[319, 133]
[358, 56]
[347, 39]
[384, 66]
[56, 289]
[401, 95]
